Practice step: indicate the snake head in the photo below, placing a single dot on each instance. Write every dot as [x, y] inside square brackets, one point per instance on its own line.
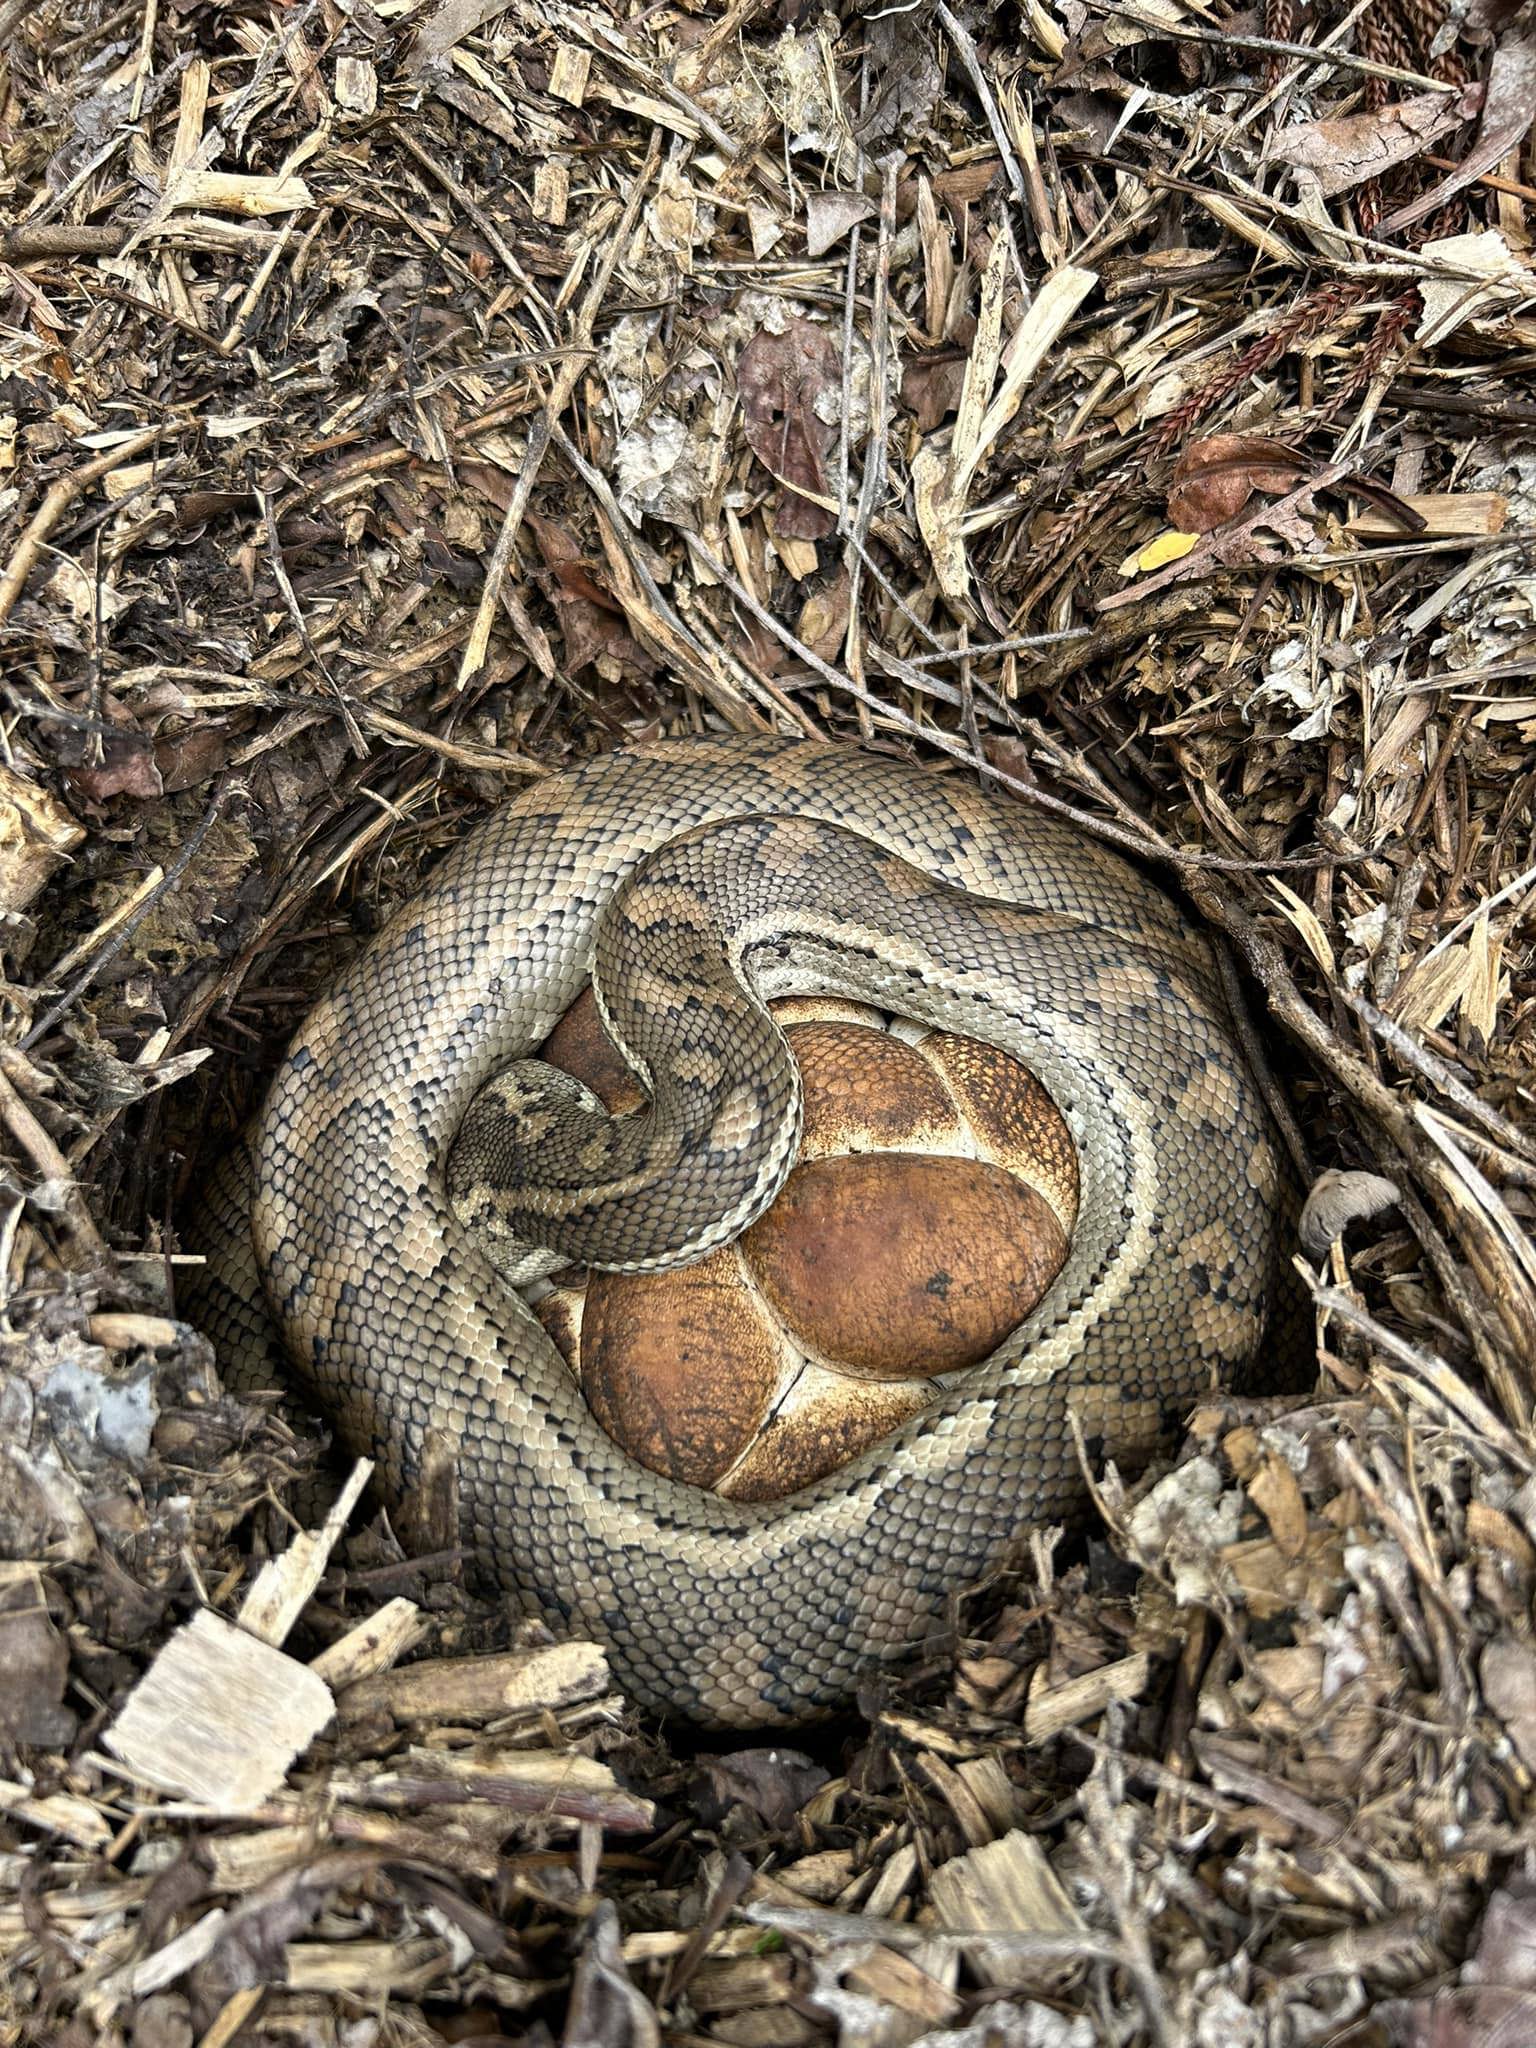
[518, 1113]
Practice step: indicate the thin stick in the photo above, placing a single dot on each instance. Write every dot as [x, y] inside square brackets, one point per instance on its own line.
[53, 1166]
[61, 495]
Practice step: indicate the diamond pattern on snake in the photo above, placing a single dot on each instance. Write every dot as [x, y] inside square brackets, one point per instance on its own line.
[420, 1183]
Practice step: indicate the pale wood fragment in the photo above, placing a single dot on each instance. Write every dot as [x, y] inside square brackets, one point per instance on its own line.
[551, 193]
[161, 1967]
[765, 2026]
[59, 1813]
[482, 1688]
[1444, 513]
[569, 74]
[238, 1863]
[218, 1717]
[121, 1330]
[232, 2016]
[895, 1979]
[357, 86]
[554, 1784]
[1053, 1708]
[373, 1646]
[820, 1876]
[738, 1981]
[897, 1872]
[371, 1969]
[1007, 1887]
[962, 1802]
[284, 1586]
[994, 1792]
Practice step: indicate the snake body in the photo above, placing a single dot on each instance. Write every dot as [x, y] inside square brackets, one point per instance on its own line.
[796, 866]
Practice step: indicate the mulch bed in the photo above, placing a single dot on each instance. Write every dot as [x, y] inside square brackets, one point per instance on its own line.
[1124, 401]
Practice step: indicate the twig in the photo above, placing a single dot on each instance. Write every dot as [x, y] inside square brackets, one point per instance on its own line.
[1437, 1072]
[126, 930]
[53, 1166]
[60, 496]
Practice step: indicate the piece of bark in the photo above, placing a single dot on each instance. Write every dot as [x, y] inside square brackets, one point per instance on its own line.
[1006, 1887]
[218, 1717]
[482, 1688]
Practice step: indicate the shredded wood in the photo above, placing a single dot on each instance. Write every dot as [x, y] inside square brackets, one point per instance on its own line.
[1123, 402]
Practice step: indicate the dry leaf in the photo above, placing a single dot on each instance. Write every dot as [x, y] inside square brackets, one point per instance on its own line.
[830, 215]
[1341, 154]
[1214, 478]
[791, 388]
[1339, 1198]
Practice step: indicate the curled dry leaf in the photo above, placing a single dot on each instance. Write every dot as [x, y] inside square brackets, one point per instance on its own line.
[1339, 1198]
[1214, 478]
[790, 385]
[1343, 153]
[774, 1783]
[1506, 284]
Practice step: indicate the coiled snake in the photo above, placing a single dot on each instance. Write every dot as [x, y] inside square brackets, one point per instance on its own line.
[804, 866]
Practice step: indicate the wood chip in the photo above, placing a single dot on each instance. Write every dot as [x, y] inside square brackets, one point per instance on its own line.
[219, 1717]
[482, 1688]
[569, 74]
[1054, 1708]
[284, 1586]
[373, 1646]
[1006, 1887]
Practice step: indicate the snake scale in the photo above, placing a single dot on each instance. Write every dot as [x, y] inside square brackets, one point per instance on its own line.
[800, 866]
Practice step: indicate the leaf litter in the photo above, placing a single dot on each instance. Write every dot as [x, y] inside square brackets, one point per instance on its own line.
[1125, 403]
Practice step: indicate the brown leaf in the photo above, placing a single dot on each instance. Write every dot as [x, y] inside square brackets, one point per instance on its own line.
[591, 619]
[1214, 478]
[127, 768]
[930, 387]
[960, 189]
[1509, 1686]
[194, 757]
[774, 1783]
[1494, 2006]
[782, 379]
[606, 2010]
[908, 77]
[1275, 1492]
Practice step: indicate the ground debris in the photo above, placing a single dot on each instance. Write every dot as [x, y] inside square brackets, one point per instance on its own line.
[1123, 404]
